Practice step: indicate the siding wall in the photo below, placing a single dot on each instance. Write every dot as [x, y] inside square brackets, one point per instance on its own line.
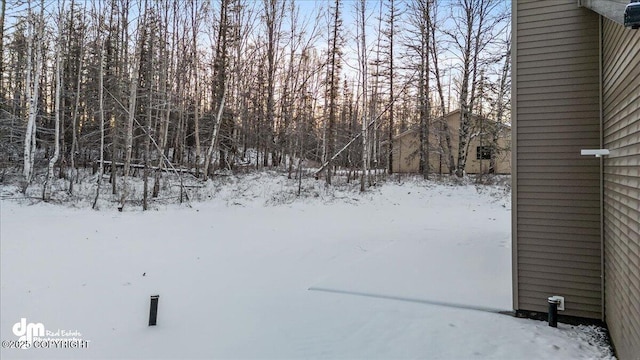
[621, 112]
[406, 155]
[406, 151]
[556, 211]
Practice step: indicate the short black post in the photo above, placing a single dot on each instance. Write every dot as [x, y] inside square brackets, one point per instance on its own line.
[553, 311]
[153, 312]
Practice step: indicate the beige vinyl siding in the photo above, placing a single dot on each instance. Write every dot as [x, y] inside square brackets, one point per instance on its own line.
[406, 150]
[406, 153]
[621, 112]
[557, 111]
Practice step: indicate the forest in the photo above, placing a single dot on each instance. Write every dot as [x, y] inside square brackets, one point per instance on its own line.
[145, 89]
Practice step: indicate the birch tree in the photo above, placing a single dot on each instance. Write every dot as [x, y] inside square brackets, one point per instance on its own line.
[501, 103]
[73, 174]
[34, 51]
[133, 97]
[478, 20]
[220, 66]
[195, 29]
[101, 115]
[167, 51]
[273, 13]
[46, 190]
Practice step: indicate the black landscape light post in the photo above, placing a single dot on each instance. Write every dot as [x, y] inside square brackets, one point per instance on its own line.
[153, 311]
[553, 311]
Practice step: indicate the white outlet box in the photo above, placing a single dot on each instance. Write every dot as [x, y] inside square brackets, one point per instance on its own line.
[561, 303]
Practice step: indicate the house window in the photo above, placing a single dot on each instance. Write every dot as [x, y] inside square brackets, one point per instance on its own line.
[483, 153]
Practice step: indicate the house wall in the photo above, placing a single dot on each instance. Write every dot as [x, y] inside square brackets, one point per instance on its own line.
[406, 158]
[621, 132]
[503, 159]
[556, 113]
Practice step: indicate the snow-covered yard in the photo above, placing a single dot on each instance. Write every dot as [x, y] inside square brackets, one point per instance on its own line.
[413, 269]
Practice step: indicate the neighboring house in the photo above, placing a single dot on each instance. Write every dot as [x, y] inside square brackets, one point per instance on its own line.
[576, 219]
[406, 147]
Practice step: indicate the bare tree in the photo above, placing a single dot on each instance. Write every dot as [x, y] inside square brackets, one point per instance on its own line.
[478, 20]
[220, 68]
[150, 85]
[333, 82]
[273, 12]
[390, 33]
[133, 97]
[101, 115]
[46, 189]
[195, 28]
[442, 126]
[73, 176]
[3, 10]
[501, 104]
[34, 50]
[419, 43]
[362, 58]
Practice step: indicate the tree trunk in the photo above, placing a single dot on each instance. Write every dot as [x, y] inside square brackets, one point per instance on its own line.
[391, 81]
[101, 113]
[500, 107]
[131, 118]
[365, 106]
[46, 189]
[333, 83]
[3, 9]
[465, 118]
[33, 87]
[214, 136]
[444, 133]
[145, 194]
[73, 176]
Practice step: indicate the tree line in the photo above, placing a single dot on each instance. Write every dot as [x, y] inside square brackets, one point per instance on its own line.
[197, 86]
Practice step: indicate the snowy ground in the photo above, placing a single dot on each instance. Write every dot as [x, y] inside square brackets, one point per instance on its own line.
[408, 270]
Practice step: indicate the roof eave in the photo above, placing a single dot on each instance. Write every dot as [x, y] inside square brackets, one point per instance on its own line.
[611, 9]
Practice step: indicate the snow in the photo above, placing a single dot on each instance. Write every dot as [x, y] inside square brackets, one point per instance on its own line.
[410, 269]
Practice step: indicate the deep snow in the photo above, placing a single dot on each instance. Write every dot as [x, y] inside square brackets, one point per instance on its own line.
[257, 273]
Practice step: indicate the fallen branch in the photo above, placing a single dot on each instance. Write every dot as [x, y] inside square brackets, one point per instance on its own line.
[155, 144]
[141, 166]
[324, 166]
